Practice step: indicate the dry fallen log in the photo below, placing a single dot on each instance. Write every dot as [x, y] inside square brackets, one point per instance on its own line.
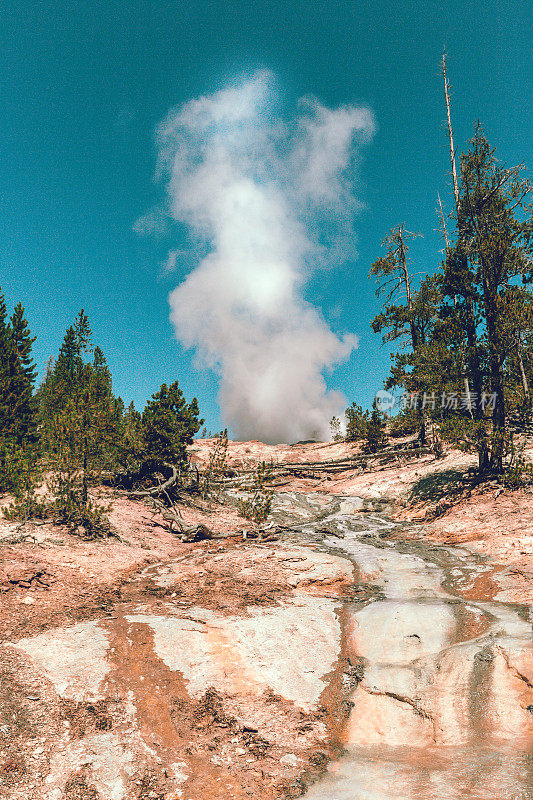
[333, 466]
[188, 533]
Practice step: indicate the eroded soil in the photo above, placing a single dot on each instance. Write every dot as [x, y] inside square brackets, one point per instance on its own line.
[142, 667]
[168, 670]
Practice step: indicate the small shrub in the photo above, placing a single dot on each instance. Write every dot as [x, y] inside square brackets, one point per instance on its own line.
[62, 504]
[518, 475]
[86, 519]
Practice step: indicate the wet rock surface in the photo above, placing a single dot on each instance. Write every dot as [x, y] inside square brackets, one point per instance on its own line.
[241, 670]
[443, 707]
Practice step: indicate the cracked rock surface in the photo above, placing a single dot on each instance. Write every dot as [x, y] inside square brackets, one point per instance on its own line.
[444, 705]
[345, 661]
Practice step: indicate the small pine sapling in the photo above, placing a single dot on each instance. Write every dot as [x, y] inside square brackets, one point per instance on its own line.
[258, 504]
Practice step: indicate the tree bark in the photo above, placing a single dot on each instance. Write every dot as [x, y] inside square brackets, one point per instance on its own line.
[84, 489]
[525, 383]
[189, 533]
[473, 362]
[496, 385]
[407, 283]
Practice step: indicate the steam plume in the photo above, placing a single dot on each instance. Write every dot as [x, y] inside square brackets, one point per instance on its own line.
[261, 193]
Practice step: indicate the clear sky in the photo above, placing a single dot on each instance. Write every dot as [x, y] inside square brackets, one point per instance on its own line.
[84, 85]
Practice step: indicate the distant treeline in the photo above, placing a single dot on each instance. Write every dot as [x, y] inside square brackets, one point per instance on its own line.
[72, 429]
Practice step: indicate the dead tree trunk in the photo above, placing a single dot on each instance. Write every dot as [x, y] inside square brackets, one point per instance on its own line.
[450, 131]
[471, 334]
[188, 533]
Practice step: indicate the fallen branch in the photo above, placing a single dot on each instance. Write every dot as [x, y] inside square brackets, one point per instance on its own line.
[337, 466]
[188, 533]
[162, 487]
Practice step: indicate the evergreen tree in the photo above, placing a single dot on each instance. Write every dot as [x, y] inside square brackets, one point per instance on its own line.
[517, 340]
[23, 376]
[6, 367]
[6, 400]
[23, 343]
[356, 423]
[83, 332]
[376, 437]
[132, 450]
[169, 425]
[335, 427]
[102, 375]
[79, 419]
[410, 319]
[494, 248]
[69, 365]
[394, 268]
[17, 407]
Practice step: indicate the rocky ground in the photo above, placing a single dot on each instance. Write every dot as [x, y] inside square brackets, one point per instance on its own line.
[142, 667]
[488, 519]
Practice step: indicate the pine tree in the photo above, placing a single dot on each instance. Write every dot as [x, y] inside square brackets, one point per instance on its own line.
[17, 407]
[169, 425]
[68, 367]
[6, 366]
[83, 332]
[335, 428]
[102, 375]
[410, 319]
[398, 281]
[79, 417]
[494, 248]
[23, 342]
[23, 376]
[6, 400]
[376, 437]
[132, 440]
[356, 423]
[517, 340]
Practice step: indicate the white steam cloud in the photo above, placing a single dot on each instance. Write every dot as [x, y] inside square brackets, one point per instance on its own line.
[267, 198]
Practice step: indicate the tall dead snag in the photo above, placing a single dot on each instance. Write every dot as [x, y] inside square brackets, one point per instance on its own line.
[450, 131]
[470, 315]
[443, 223]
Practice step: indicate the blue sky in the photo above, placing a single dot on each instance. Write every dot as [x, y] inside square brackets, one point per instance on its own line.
[84, 85]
